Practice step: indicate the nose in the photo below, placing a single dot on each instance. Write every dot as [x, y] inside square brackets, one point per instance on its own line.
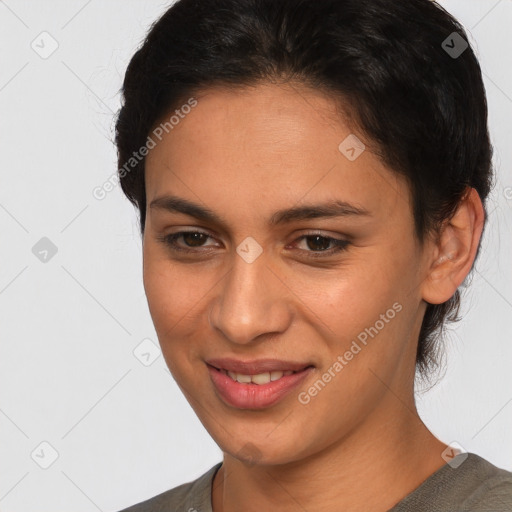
[251, 301]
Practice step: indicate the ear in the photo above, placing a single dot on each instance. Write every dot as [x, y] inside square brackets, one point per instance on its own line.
[455, 250]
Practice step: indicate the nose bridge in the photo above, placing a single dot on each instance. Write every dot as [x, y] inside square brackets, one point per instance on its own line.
[251, 302]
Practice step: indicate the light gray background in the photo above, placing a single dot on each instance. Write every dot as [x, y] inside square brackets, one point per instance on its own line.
[121, 431]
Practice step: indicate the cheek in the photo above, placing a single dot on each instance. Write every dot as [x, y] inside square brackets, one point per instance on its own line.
[175, 296]
[353, 297]
[365, 315]
[369, 325]
[172, 290]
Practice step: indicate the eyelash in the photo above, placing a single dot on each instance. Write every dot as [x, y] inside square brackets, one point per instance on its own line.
[339, 244]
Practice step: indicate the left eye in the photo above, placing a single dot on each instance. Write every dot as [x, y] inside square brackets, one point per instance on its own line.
[194, 240]
[320, 243]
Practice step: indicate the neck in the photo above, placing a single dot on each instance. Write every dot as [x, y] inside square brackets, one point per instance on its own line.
[372, 468]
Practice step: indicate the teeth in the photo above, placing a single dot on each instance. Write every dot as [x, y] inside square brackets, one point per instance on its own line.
[244, 379]
[276, 375]
[261, 378]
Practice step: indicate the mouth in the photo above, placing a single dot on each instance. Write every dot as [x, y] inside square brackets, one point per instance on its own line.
[255, 384]
[259, 372]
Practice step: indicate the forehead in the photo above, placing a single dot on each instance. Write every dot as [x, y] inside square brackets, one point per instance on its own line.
[265, 146]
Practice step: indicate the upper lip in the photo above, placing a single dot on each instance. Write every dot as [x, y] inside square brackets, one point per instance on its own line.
[256, 366]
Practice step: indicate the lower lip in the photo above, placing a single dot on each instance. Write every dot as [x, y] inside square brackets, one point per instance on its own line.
[255, 396]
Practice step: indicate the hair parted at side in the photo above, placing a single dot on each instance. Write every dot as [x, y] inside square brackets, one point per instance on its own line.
[424, 110]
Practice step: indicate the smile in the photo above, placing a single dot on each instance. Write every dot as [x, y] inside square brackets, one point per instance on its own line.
[255, 385]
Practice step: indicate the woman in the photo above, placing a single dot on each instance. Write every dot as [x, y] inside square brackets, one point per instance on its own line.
[311, 179]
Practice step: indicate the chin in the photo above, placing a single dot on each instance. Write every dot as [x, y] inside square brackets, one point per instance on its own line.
[263, 453]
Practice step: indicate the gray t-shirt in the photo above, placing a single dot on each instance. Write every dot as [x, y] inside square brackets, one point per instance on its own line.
[476, 485]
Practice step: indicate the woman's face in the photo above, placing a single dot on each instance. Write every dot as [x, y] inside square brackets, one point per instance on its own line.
[264, 163]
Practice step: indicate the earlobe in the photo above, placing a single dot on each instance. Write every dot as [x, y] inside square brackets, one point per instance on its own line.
[455, 250]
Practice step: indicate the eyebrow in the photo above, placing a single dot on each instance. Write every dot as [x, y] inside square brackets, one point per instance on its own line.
[336, 208]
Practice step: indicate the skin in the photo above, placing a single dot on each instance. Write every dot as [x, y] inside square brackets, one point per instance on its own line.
[359, 444]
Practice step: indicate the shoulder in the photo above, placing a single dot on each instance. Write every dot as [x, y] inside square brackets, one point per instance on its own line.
[194, 495]
[468, 484]
[492, 489]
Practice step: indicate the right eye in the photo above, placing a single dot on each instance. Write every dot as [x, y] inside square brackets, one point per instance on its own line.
[190, 238]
